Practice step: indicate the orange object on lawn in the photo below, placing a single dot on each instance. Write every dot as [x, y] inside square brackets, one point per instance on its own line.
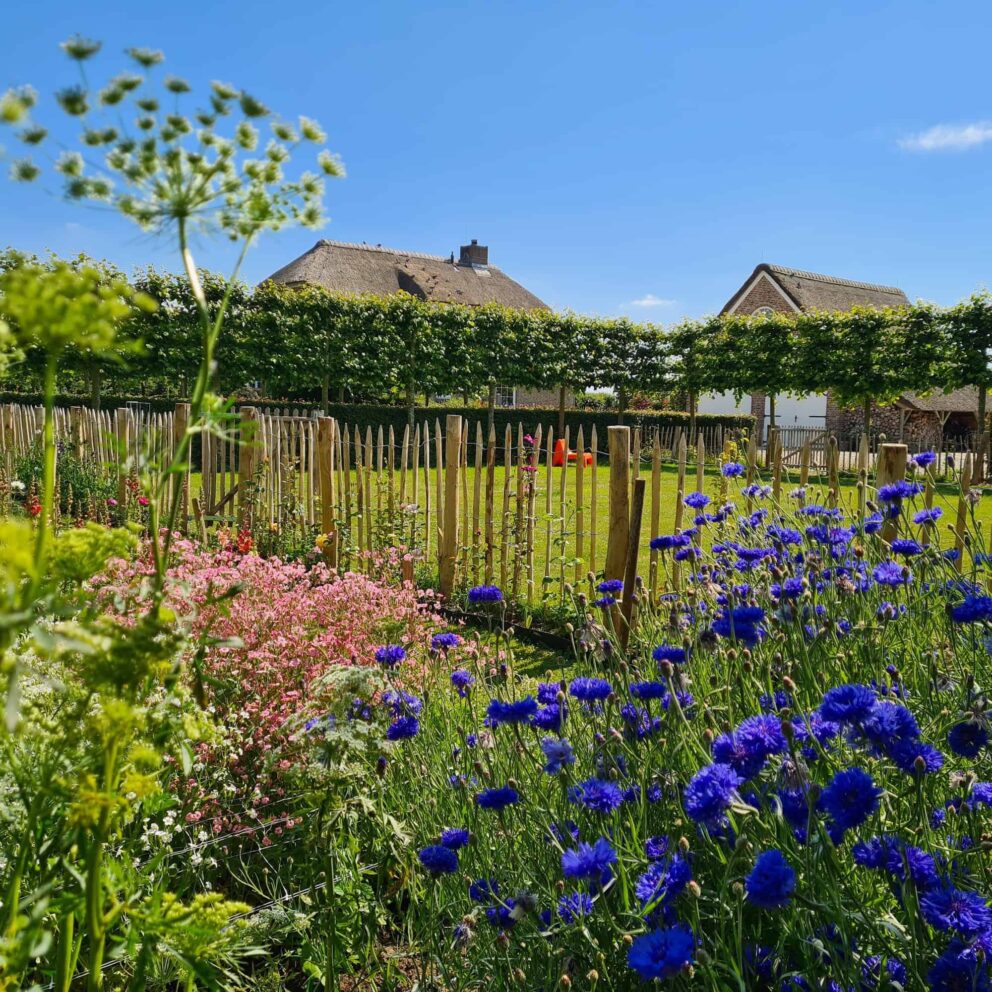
[558, 458]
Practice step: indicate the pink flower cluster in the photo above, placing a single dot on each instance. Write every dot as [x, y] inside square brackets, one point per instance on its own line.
[285, 628]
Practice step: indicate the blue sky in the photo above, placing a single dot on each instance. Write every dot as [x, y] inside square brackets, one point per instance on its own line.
[611, 155]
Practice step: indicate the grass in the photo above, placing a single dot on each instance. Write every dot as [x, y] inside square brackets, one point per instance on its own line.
[559, 557]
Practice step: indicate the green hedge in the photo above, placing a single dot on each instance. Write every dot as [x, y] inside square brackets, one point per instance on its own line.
[158, 404]
[363, 415]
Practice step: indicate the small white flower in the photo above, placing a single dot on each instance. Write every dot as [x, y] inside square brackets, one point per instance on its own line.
[17, 486]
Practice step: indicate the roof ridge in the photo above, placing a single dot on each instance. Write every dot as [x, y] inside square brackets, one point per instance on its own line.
[380, 248]
[835, 280]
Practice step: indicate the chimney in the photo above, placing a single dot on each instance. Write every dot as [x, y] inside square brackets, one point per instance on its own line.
[474, 254]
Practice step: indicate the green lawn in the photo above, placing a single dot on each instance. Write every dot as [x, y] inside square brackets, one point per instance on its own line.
[946, 496]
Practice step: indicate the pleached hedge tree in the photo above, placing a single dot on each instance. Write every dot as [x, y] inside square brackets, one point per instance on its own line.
[308, 342]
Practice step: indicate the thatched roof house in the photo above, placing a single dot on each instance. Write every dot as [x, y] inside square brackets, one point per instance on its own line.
[781, 288]
[352, 268]
[371, 269]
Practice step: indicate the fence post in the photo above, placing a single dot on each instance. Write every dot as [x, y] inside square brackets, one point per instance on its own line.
[122, 429]
[630, 570]
[449, 536]
[891, 468]
[619, 519]
[325, 486]
[961, 523]
[180, 425]
[76, 431]
[247, 461]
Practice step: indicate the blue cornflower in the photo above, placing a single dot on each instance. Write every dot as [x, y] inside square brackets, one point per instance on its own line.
[696, 500]
[850, 798]
[485, 594]
[598, 795]
[513, 711]
[648, 690]
[400, 702]
[928, 516]
[888, 723]
[438, 860]
[445, 641]
[605, 602]
[793, 588]
[973, 609]
[662, 953]
[981, 792]
[454, 838]
[656, 847]
[891, 573]
[967, 738]
[390, 655]
[483, 889]
[670, 542]
[871, 973]
[497, 799]
[462, 681]
[915, 757]
[945, 907]
[710, 792]
[574, 907]
[670, 652]
[550, 717]
[873, 523]
[906, 546]
[959, 969]
[589, 689]
[895, 492]
[402, 728]
[925, 458]
[732, 470]
[590, 862]
[558, 754]
[847, 703]
[771, 881]
[547, 692]
[663, 882]
[611, 586]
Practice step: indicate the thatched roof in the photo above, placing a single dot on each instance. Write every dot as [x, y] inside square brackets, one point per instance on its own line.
[964, 400]
[812, 291]
[372, 269]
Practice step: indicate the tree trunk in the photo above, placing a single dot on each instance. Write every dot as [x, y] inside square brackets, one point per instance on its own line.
[692, 418]
[621, 404]
[867, 418]
[411, 403]
[325, 388]
[562, 394]
[491, 407]
[94, 376]
[341, 394]
[771, 411]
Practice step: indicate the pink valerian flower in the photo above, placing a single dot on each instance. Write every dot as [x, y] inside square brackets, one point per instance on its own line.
[293, 624]
[143, 501]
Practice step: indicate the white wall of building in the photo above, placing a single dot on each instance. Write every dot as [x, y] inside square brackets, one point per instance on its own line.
[790, 411]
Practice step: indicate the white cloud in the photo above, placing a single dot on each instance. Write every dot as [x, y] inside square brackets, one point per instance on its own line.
[650, 300]
[949, 137]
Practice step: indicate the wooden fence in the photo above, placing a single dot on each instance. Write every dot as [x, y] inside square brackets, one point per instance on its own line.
[476, 506]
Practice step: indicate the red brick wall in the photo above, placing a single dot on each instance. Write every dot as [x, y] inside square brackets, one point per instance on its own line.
[762, 294]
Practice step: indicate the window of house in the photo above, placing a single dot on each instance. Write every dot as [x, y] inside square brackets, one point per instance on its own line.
[763, 312]
[505, 396]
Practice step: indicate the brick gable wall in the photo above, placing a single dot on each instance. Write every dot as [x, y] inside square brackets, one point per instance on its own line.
[762, 294]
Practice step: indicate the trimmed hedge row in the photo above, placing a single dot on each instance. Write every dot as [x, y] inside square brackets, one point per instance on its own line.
[363, 415]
